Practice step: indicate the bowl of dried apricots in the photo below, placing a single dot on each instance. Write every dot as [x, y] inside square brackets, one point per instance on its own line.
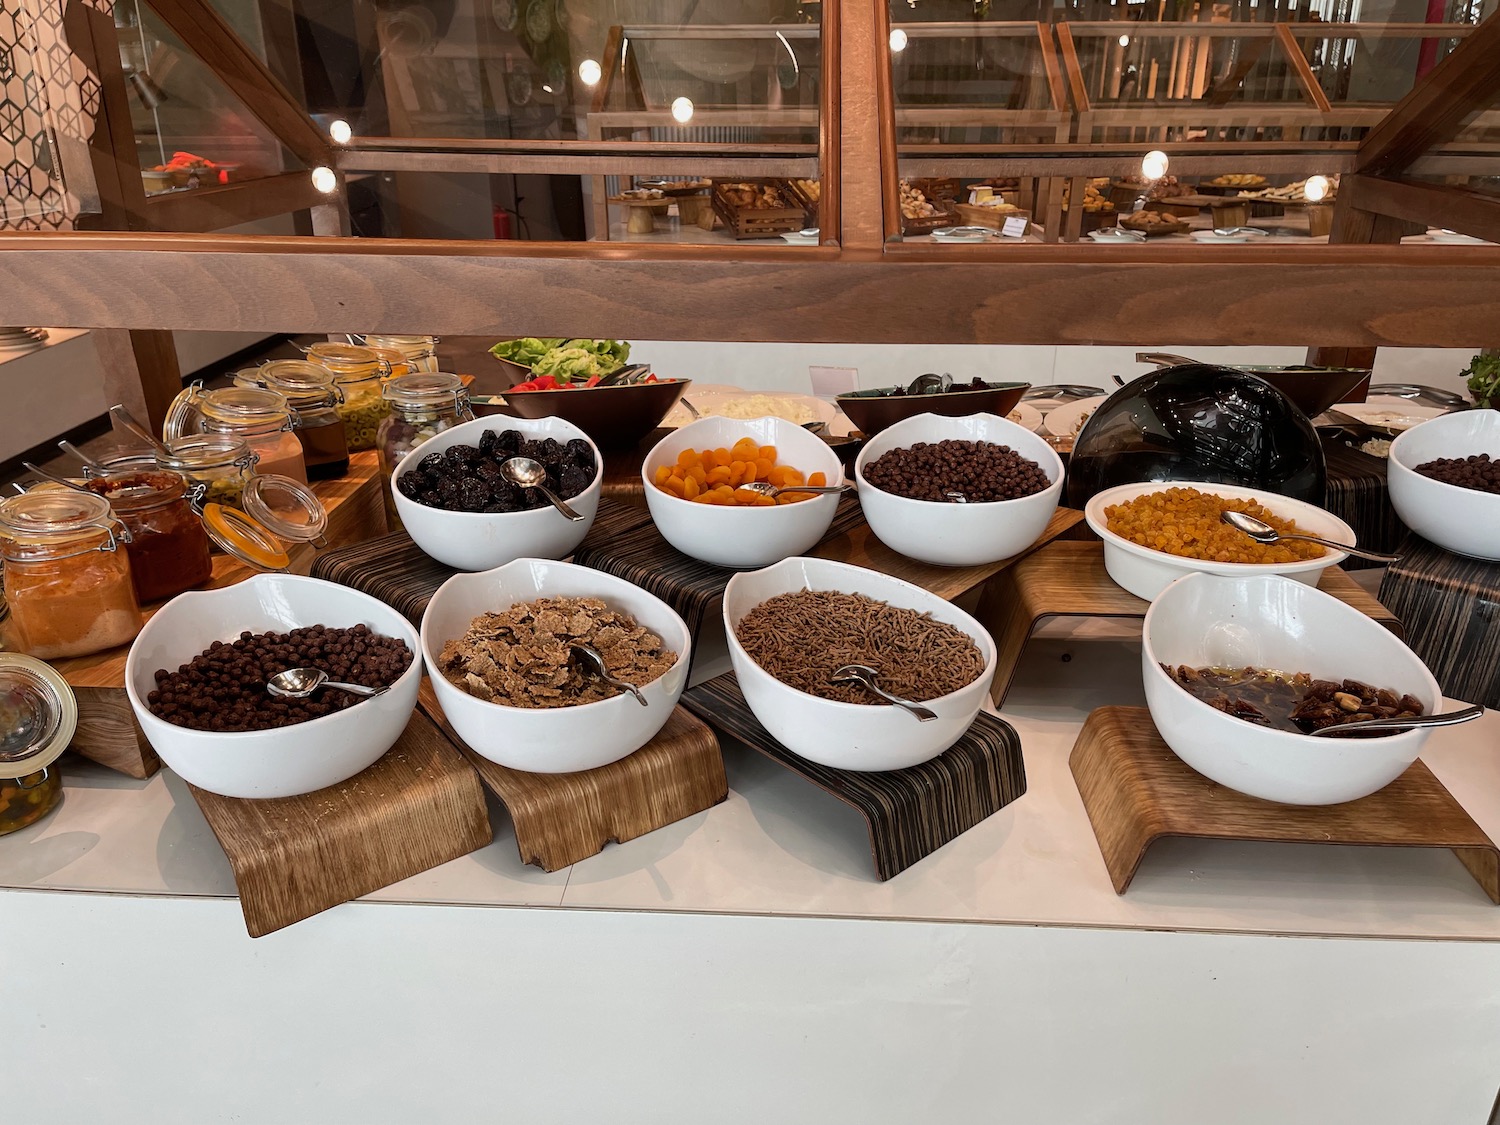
[695, 480]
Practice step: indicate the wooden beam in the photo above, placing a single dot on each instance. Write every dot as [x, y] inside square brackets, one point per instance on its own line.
[1240, 295]
[1076, 83]
[226, 205]
[1430, 205]
[1051, 67]
[560, 162]
[1250, 53]
[865, 206]
[1311, 88]
[1437, 106]
[209, 36]
[830, 179]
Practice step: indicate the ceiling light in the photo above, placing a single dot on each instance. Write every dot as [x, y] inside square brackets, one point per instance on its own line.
[340, 131]
[682, 110]
[1316, 189]
[1124, 40]
[589, 72]
[325, 180]
[898, 40]
[1154, 165]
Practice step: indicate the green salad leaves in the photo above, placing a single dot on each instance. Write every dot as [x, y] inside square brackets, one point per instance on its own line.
[1483, 374]
[566, 360]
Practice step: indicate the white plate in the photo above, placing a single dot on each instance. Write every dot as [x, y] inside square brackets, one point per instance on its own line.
[1389, 412]
[1027, 415]
[961, 234]
[1452, 237]
[711, 398]
[808, 236]
[1108, 235]
[1210, 236]
[1067, 420]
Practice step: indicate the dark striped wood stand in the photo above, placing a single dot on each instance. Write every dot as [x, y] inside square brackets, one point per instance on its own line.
[1357, 493]
[1137, 791]
[912, 812]
[418, 806]
[1068, 579]
[1452, 606]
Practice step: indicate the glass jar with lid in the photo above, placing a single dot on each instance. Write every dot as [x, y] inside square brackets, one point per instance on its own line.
[168, 547]
[359, 374]
[418, 352]
[38, 716]
[67, 581]
[314, 397]
[423, 405]
[261, 418]
[221, 463]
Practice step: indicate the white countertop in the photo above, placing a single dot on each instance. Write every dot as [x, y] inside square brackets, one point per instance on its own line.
[780, 846]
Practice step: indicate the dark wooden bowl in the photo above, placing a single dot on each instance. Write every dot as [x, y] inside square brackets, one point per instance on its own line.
[872, 411]
[615, 417]
[1313, 389]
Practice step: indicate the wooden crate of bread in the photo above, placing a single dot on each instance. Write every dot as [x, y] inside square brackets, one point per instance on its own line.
[809, 193]
[758, 208]
[977, 215]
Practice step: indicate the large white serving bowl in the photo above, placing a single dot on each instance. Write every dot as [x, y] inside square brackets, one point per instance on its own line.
[286, 761]
[743, 537]
[482, 540]
[1146, 573]
[959, 534]
[1277, 624]
[554, 739]
[1462, 520]
[851, 736]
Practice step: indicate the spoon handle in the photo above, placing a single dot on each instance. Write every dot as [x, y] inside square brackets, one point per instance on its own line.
[353, 689]
[821, 490]
[558, 503]
[1452, 718]
[923, 714]
[1358, 552]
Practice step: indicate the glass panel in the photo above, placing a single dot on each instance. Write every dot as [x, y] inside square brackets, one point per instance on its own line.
[1012, 125]
[191, 131]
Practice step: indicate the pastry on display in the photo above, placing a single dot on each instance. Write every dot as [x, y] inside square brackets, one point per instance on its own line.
[915, 205]
[763, 196]
[1237, 179]
[1293, 193]
[1093, 196]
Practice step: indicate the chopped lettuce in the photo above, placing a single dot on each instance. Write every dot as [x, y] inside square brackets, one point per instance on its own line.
[527, 350]
[565, 360]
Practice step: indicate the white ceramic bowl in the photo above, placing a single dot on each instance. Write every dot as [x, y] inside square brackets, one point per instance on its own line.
[743, 537]
[959, 534]
[1274, 623]
[483, 540]
[851, 736]
[1462, 520]
[555, 739]
[1146, 573]
[289, 760]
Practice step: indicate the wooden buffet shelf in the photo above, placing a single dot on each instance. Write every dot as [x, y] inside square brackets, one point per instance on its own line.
[355, 512]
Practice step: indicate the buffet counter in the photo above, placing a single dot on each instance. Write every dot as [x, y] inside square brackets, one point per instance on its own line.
[1001, 972]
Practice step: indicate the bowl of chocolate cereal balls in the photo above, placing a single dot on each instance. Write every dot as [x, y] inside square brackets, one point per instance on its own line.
[197, 675]
[457, 505]
[958, 491]
[793, 625]
[1156, 532]
[500, 647]
[1444, 477]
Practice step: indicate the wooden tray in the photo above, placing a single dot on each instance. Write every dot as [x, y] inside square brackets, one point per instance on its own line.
[929, 223]
[293, 857]
[1155, 230]
[1093, 220]
[1137, 791]
[971, 214]
[758, 222]
[561, 818]
[1068, 579]
[910, 813]
[1205, 188]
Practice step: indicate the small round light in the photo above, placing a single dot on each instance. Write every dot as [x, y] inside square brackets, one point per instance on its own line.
[1316, 189]
[898, 40]
[325, 180]
[1154, 165]
[682, 110]
[340, 131]
[589, 72]
[546, 88]
[1124, 40]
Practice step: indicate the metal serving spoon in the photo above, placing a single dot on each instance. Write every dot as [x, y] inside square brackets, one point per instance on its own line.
[299, 683]
[88, 462]
[766, 488]
[528, 473]
[126, 420]
[864, 676]
[1451, 719]
[1263, 532]
[955, 498]
[55, 479]
[929, 384]
[1435, 395]
[592, 661]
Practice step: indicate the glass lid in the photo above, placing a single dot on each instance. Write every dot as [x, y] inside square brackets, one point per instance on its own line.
[53, 515]
[38, 715]
[344, 359]
[301, 382]
[423, 389]
[205, 451]
[278, 509]
[234, 406]
[235, 533]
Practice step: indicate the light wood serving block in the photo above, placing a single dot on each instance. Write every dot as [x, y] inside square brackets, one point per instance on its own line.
[1137, 791]
[561, 818]
[1067, 579]
[355, 512]
[419, 806]
[109, 734]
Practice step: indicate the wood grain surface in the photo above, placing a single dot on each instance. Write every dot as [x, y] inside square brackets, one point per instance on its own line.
[1067, 579]
[109, 734]
[561, 818]
[1136, 791]
[1417, 296]
[419, 806]
[355, 513]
